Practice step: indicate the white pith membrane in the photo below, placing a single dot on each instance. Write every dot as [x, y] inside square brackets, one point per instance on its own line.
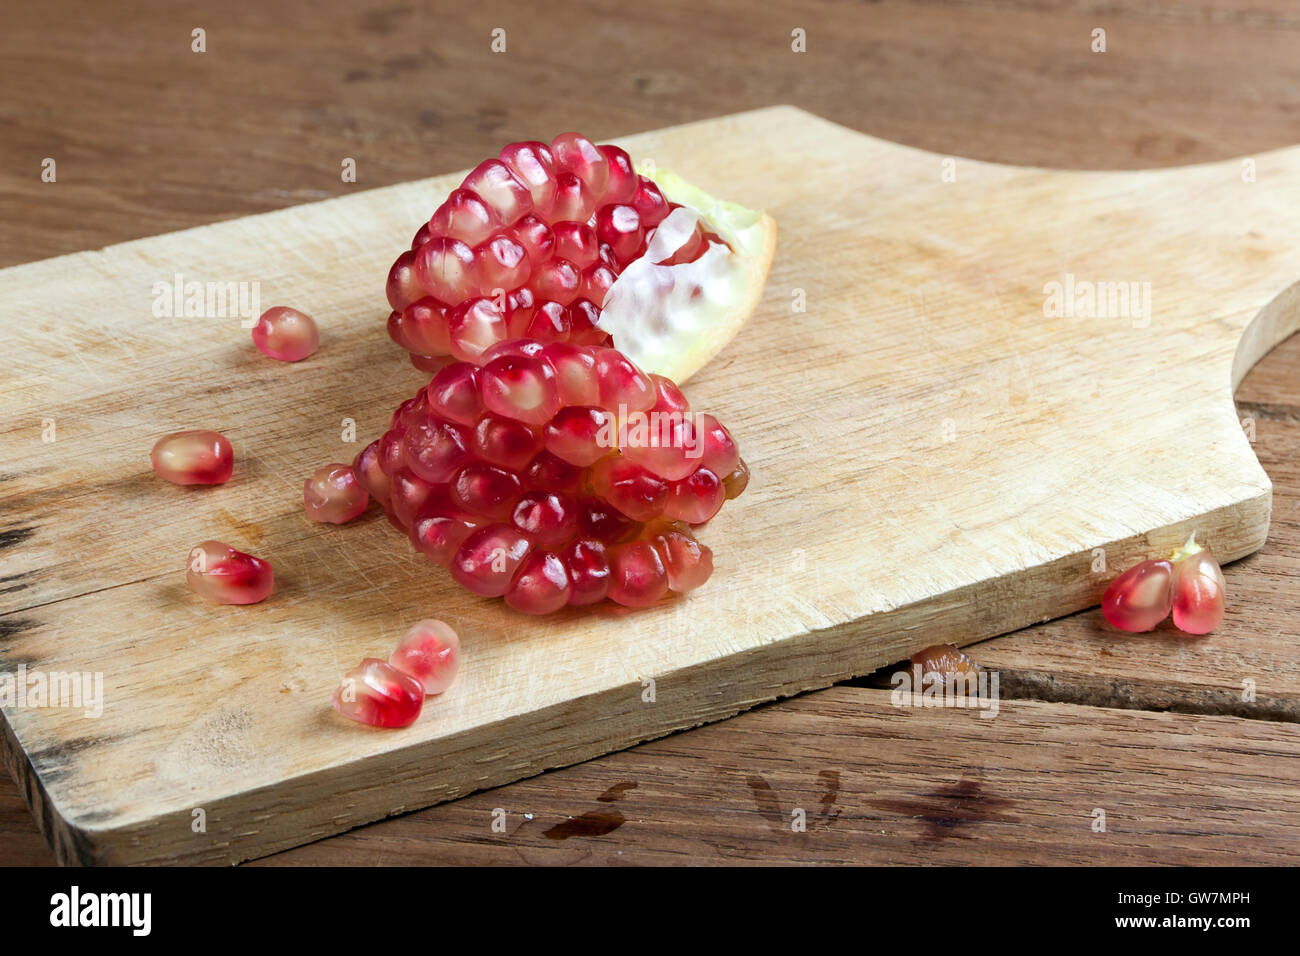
[672, 319]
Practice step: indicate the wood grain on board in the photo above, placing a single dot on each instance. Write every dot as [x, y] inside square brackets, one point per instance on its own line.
[951, 479]
[1007, 80]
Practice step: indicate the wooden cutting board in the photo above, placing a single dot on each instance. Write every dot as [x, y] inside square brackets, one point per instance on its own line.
[940, 454]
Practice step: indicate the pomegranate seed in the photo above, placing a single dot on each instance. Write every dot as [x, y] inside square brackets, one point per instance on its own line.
[549, 323]
[423, 326]
[1141, 597]
[407, 496]
[596, 283]
[576, 242]
[547, 518]
[620, 227]
[502, 264]
[378, 694]
[533, 166]
[486, 490]
[493, 181]
[630, 488]
[605, 523]
[487, 561]
[464, 217]
[435, 450]
[580, 435]
[444, 268]
[687, 563]
[1199, 590]
[535, 236]
[622, 384]
[541, 586]
[736, 482]
[650, 204]
[370, 475]
[578, 155]
[696, 498]
[575, 373]
[430, 652]
[334, 494]
[623, 180]
[548, 473]
[196, 457]
[454, 395]
[475, 326]
[637, 574]
[286, 334]
[439, 536]
[402, 287]
[505, 442]
[573, 199]
[669, 399]
[222, 575]
[520, 387]
[588, 567]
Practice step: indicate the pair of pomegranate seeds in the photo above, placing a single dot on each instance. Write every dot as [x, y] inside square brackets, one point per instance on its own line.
[391, 693]
[527, 247]
[555, 475]
[1189, 584]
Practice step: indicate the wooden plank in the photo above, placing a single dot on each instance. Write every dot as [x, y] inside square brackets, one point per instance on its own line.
[953, 479]
[881, 784]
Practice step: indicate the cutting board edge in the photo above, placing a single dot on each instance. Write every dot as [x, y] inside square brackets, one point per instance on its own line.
[1240, 527]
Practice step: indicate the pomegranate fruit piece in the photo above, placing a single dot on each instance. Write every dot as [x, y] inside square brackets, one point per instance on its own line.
[534, 241]
[525, 478]
[193, 458]
[430, 652]
[222, 575]
[378, 694]
[286, 334]
[334, 494]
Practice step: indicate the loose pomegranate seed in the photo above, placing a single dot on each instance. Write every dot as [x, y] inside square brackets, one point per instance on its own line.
[430, 652]
[515, 476]
[334, 494]
[1141, 597]
[193, 458]
[1189, 583]
[946, 660]
[286, 334]
[378, 694]
[222, 575]
[1199, 590]
[542, 231]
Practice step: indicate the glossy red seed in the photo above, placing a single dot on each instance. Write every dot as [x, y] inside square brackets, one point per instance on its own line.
[430, 652]
[520, 387]
[623, 386]
[487, 561]
[407, 495]
[218, 573]
[575, 373]
[623, 180]
[588, 565]
[196, 457]
[599, 520]
[596, 283]
[444, 269]
[541, 585]
[576, 242]
[576, 154]
[549, 519]
[637, 574]
[483, 489]
[465, 217]
[717, 449]
[687, 563]
[1141, 597]
[630, 488]
[497, 186]
[580, 435]
[573, 199]
[1198, 593]
[286, 334]
[334, 494]
[378, 694]
[548, 323]
[548, 473]
[669, 399]
[439, 536]
[620, 227]
[402, 287]
[435, 450]
[650, 204]
[505, 442]
[535, 236]
[370, 475]
[696, 498]
[532, 165]
[474, 326]
[453, 394]
[424, 327]
[501, 265]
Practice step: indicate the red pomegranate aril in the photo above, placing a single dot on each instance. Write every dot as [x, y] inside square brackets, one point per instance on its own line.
[580, 435]
[453, 394]
[583, 330]
[575, 373]
[669, 400]
[520, 305]
[487, 561]
[430, 652]
[286, 334]
[573, 200]
[548, 519]
[549, 323]
[483, 489]
[576, 154]
[532, 164]
[597, 280]
[439, 536]
[392, 453]
[650, 204]
[601, 521]
[541, 584]
[424, 327]
[464, 216]
[548, 473]
[475, 326]
[696, 498]
[620, 227]
[197, 457]
[1141, 597]
[436, 449]
[407, 496]
[630, 488]
[737, 481]
[622, 384]
[220, 574]
[687, 563]
[505, 442]
[410, 412]
[402, 287]
[1198, 593]
[501, 264]
[334, 494]
[623, 180]
[557, 280]
[535, 236]
[576, 242]
[497, 186]
[369, 473]
[378, 694]
[444, 268]
[422, 235]
[637, 574]
[717, 449]
[517, 347]
[520, 387]
[664, 445]
[588, 566]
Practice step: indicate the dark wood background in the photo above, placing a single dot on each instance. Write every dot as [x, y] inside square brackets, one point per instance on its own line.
[150, 137]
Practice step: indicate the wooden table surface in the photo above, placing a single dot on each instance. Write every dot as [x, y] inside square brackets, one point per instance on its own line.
[1155, 731]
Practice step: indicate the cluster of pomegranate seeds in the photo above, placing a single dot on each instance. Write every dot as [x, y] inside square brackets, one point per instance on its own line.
[334, 494]
[555, 474]
[1189, 584]
[391, 693]
[286, 334]
[528, 246]
[222, 575]
[193, 458]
